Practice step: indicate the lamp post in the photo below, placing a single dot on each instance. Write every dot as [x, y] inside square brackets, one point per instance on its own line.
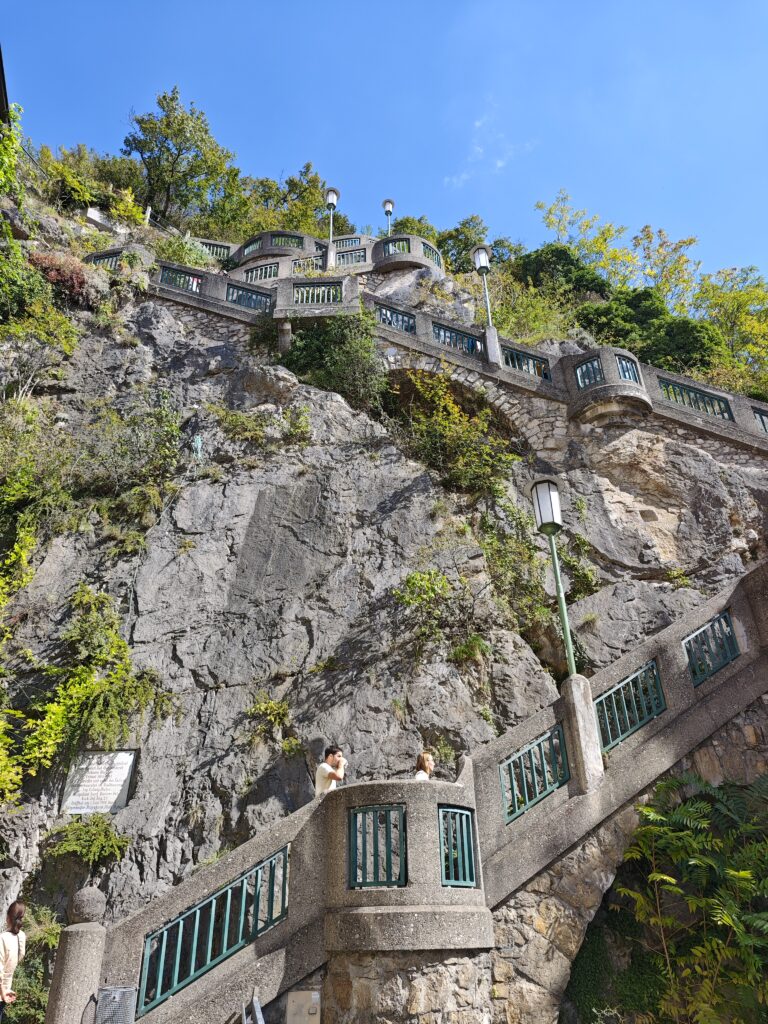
[331, 202]
[481, 255]
[549, 521]
[389, 205]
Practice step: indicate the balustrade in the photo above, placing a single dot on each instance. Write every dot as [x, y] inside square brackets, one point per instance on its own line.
[536, 366]
[377, 850]
[589, 372]
[181, 279]
[629, 705]
[711, 648]
[457, 847]
[710, 405]
[346, 259]
[628, 369]
[264, 272]
[316, 294]
[394, 318]
[451, 338]
[533, 773]
[213, 930]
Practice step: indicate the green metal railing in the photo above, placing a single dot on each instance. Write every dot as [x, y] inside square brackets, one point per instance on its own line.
[316, 294]
[307, 263]
[702, 402]
[194, 942]
[533, 773]
[346, 259]
[526, 363]
[262, 273]
[253, 246]
[377, 846]
[432, 254]
[457, 847]
[181, 279]
[347, 243]
[394, 318]
[589, 372]
[110, 261]
[221, 252]
[629, 705]
[711, 648]
[761, 415]
[248, 298]
[288, 241]
[393, 246]
[456, 339]
[628, 369]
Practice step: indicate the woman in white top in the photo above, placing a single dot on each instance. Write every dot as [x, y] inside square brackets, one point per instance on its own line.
[13, 943]
[425, 765]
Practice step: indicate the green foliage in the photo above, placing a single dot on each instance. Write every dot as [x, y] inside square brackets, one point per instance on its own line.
[135, 447]
[10, 152]
[98, 697]
[32, 976]
[531, 314]
[474, 648]
[426, 595]
[677, 577]
[559, 265]
[291, 746]
[92, 839]
[183, 163]
[246, 427]
[269, 715]
[339, 354]
[444, 752]
[184, 251]
[466, 449]
[72, 280]
[583, 578]
[698, 889]
[10, 769]
[507, 538]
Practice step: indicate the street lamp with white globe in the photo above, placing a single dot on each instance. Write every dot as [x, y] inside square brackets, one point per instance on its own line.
[389, 205]
[481, 256]
[331, 202]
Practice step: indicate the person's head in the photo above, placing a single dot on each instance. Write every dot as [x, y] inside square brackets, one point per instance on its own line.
[15, 916]
[425, 762]
[333, 756]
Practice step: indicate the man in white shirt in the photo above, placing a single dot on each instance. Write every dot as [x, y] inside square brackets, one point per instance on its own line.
[12, 947]
[330, 771]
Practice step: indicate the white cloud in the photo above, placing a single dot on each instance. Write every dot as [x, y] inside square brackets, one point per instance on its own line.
[489, 150]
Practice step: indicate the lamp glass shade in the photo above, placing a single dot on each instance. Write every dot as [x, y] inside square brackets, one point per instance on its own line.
[481, 256]
[546, 507]
[389, 205]
[332, 197]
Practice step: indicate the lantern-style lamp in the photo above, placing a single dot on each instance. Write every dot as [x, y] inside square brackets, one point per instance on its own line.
[481, 256]
[546, 507]
[389, 205]
[331, 202]
[549, 521]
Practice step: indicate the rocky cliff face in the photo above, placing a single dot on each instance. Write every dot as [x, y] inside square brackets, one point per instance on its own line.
[273, 570]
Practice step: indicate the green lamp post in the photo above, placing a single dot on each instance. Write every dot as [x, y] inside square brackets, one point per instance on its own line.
[549, 521]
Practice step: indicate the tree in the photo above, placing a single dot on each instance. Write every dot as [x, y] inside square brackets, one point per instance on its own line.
[666, 266]
[593, 242]
[456, 244]
[701, 862]
[10, 151]
[559, 264]
[415, 226]
[182, 161]
[736, 301]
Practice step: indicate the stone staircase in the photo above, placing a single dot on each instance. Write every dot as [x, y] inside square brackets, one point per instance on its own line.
[401, 865]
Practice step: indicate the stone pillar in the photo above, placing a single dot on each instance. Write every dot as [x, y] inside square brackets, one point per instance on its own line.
[77, 973]
[492, 347]
[283, 336]
[585, 752]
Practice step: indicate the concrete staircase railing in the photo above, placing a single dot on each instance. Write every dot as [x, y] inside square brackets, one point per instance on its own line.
[325, 913]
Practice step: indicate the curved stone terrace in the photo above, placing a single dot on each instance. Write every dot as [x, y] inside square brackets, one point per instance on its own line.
[291, 276]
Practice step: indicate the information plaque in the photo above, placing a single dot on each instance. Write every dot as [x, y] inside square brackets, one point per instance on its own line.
[98, 781]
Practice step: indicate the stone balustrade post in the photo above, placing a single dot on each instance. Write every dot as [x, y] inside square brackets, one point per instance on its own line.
[585, 752]
[492, 347]
[284, 336]
[77, 974]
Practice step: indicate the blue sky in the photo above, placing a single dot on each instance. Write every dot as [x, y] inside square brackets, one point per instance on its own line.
[650, 112]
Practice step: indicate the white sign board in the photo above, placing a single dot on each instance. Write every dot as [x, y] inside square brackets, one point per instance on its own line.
[98, 781]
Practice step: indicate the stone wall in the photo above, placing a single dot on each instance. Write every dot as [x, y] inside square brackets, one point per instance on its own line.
[210, 325]
[538, 930]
